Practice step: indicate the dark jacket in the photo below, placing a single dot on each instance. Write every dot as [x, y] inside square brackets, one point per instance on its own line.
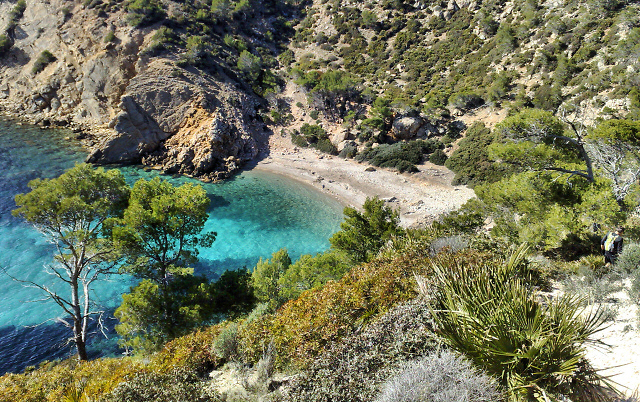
[617, 243]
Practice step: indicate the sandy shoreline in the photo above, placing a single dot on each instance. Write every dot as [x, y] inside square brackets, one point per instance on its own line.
[420, 197]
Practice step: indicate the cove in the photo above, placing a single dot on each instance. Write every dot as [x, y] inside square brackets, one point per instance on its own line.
[254, 214]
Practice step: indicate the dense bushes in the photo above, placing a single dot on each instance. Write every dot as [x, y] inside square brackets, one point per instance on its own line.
[314, 136]
[402, 156]
[178, 385]
[438, 157]
[333, 92]
[466, 100]
[423, 59]
[302, 328]
[190, 355]
[471, 161]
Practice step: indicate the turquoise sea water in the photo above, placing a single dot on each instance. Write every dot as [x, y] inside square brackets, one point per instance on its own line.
[254, 215]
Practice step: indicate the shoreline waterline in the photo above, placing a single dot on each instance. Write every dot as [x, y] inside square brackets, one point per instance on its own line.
[419, 197]
[254, 213]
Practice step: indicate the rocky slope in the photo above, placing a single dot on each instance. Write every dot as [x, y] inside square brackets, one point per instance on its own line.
[134, 107]
[183, 86]
[579, 59]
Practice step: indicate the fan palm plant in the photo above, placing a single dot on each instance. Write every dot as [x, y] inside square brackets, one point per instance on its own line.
[536, 350]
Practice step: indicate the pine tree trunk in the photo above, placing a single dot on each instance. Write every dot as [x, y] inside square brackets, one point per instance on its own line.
[78, 335]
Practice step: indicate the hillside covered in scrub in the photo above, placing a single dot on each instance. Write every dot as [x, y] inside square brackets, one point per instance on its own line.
[384, 329]
[198, 87]
[534, 105]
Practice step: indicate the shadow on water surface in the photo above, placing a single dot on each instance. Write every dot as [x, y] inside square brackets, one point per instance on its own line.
[22, 347]
[213, 269]
[217, 201]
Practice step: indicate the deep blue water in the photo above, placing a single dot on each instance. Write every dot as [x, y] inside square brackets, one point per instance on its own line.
[254, 214]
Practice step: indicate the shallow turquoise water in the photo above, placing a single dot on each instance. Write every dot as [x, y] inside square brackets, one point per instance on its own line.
[255, 214]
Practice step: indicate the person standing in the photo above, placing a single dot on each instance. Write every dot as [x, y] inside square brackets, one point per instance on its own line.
[611, 244]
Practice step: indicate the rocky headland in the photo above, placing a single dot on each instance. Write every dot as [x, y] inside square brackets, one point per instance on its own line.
[128, 106]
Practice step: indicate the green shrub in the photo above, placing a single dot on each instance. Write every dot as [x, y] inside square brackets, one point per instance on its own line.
[467, 219]
[325, 145]
[144, 12]
[5, 44]
[312, 132]
[225, 345]
[443, 377]
[349, 151]
[438, 157]
[401, 155]
[165, 35]
[45, 58]
[110, 37]
[471, 161]
[629, 260]
[401, 165]
[314, 136]
[286, 58]
[491, 316]
[466, 100]
[299, 140]
[547, 97]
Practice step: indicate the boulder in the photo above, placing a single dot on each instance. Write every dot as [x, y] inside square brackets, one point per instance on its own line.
[406, 128]
[339, 137]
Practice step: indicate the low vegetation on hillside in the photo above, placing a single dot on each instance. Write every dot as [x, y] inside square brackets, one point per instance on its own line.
[393, 72]
[387, 312]
[354, 323]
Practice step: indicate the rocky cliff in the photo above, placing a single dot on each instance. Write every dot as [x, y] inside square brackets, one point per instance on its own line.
[182, 86]
[134, 106]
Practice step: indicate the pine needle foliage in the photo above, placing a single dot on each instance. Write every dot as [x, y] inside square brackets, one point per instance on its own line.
[536, 350]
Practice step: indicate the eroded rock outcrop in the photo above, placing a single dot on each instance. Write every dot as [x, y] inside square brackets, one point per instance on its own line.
[135, 108]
